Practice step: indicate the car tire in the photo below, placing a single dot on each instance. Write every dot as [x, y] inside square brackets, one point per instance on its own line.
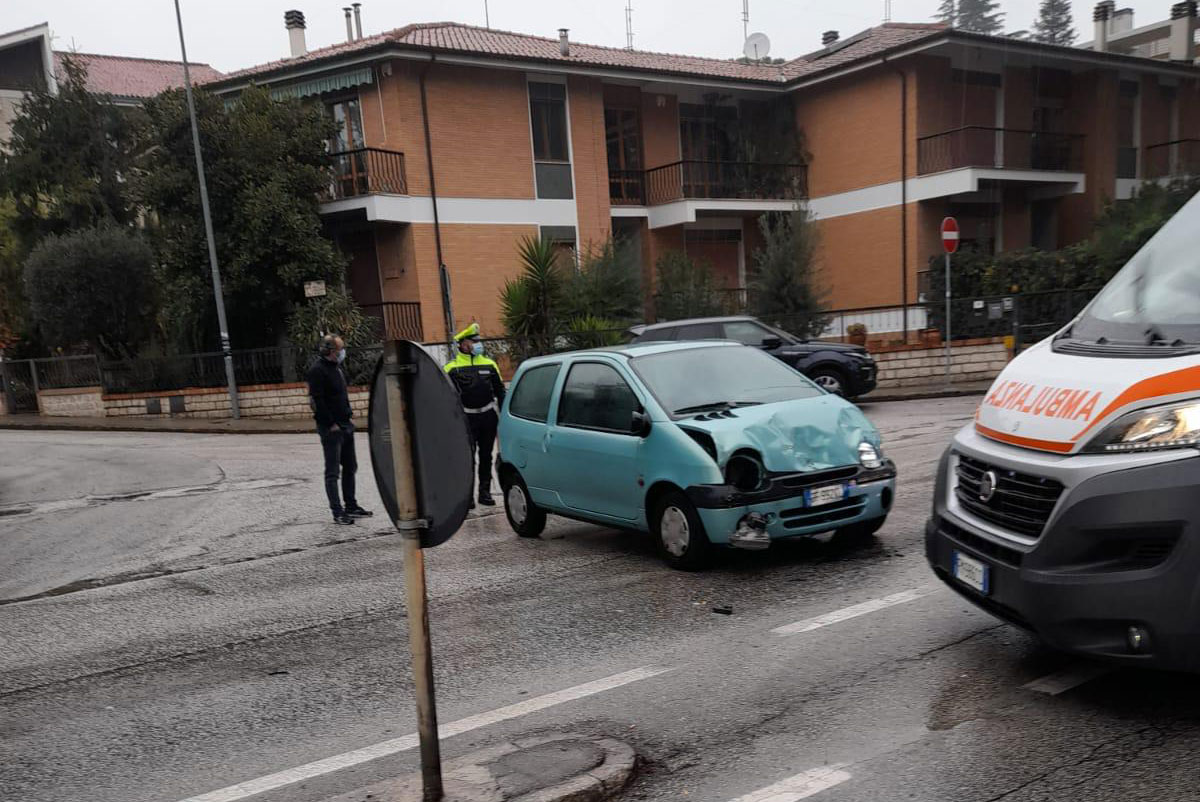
[525, 517]
[831, 380]
[679, 533]
[859, 533]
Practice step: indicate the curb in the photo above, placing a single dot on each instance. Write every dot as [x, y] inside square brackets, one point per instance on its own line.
[481, 776]
[81, 426]
[920, 395]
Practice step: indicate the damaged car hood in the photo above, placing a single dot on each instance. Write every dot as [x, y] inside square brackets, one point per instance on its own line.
[810, 434]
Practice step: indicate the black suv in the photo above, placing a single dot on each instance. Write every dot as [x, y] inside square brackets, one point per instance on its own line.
[847, 370]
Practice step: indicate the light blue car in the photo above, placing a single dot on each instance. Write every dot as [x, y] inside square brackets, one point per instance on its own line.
[701, 444]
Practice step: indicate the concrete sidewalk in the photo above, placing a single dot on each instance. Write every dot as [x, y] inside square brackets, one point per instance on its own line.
[553, 768]
[306, 426]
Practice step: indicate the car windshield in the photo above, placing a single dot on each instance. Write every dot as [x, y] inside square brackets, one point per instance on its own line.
[699, 379]
[1155, 298]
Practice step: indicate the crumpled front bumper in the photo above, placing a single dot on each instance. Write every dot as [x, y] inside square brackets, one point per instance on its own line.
[781, 503]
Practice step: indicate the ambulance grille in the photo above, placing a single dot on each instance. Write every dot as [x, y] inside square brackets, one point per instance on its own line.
[1021, 503]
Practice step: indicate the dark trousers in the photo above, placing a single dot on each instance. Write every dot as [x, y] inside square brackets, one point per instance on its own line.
[339, 454]
[483, 440]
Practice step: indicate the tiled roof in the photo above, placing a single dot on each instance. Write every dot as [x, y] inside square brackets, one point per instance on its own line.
[453, 37]
[122, 76]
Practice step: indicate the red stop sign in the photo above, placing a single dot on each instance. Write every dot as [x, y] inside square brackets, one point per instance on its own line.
[950, 234]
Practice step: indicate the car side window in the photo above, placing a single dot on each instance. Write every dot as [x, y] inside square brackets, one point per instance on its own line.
[700, 331]
[531, 398]
[746, 332]
[658, 335]
[596, 397]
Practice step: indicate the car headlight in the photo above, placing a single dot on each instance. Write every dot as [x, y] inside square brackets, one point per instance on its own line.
[744, 472]
[1169, 426]
[868, 455]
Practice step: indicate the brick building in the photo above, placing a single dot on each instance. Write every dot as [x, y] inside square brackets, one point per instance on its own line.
[455, 141]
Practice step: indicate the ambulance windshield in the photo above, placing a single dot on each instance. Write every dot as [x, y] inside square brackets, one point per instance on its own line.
[1155, 299]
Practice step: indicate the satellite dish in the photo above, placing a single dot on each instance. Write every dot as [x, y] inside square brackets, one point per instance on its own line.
[757, 46]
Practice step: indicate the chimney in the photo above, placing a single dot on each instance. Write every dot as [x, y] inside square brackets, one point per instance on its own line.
[1104, 10]
[349, 25]
[1183, 30]
[564, 44]
[828, 38]
[1121, 22]
[357, 20]
[294, 22]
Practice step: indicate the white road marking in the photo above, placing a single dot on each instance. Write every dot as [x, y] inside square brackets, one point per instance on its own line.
[800, 786]
[854, 611]
[404, 743]
[1070, 677]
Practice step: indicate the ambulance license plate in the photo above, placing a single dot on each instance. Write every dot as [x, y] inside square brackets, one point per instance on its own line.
[972, 573]
[816, 496]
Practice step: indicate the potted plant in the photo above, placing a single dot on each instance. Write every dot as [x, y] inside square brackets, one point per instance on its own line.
[856, 333]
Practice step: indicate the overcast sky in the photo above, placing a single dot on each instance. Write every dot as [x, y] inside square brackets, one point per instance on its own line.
[230, 34]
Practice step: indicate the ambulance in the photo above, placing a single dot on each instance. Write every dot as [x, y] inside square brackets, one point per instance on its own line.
[1070, 506]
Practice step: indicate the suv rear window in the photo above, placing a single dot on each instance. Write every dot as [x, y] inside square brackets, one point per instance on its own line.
[531, 398]
[700, 331]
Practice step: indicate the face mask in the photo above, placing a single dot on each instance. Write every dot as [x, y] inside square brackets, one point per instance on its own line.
[477, 349]
[341, 356]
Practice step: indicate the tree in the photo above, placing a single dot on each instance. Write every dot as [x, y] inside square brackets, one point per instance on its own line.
[607, 285]
[93, 286]
[70, 159]
[266, 164]
[1054, 25]
[12, 296]
[533, 303]
[784, 288]
[685, 288]
[977, 16]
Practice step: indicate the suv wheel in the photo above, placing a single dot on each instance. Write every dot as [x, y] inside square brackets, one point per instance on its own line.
[831, 380]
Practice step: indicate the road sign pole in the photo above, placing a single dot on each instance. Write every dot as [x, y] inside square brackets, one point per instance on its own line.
[410, 526]
[947, 319]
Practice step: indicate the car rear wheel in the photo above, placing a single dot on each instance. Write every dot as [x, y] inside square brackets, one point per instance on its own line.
[831, 380]
[679, 533]
[525, 518]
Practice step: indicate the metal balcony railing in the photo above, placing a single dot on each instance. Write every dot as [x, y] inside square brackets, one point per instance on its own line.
[627, 187]
[693, 179]
[400, 320]
[1009, 148]
[367, 171]
[1179, 157]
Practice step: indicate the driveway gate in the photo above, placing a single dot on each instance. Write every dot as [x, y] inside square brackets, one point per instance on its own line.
[20, 385]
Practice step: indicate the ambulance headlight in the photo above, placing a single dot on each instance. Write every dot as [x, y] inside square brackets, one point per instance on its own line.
[1169, 426]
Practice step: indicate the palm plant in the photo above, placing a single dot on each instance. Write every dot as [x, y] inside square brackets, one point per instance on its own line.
[529, 303]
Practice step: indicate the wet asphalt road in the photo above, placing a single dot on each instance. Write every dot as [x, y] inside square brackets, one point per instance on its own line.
[191, 621]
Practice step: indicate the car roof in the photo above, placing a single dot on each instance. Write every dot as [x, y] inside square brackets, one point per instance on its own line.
[688, 321]
[633, 350]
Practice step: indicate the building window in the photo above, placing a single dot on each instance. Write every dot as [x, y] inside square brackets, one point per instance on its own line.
[551, 153]
[1127, 125]
[697, 235]
[346, 145]
[563, 240]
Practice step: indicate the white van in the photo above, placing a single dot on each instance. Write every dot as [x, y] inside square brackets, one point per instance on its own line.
[1071, 505]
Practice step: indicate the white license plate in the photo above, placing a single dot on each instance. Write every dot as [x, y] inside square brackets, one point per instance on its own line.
[972, 573]
[825, 495]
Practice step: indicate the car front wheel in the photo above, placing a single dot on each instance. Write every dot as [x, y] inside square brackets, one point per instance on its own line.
[831, 380]
[679, 533]
[526, 519]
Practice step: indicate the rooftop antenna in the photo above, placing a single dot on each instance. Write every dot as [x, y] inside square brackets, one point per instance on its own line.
[887, 10]
[629, 24]
[745, 19]
[487, 20]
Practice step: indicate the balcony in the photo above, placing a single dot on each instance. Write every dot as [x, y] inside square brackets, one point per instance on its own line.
[710, 180]
[1180, 157]
[400, 320]
[366, 171]
[999, 148]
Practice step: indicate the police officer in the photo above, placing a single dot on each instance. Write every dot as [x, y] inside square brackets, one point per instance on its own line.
[482, 392]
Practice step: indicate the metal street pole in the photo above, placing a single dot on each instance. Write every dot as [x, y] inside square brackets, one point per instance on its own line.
[947, 319]
[226, 348]
[416, 597]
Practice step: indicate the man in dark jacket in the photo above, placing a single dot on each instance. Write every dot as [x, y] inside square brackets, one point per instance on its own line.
[331, 409]
[482, 392]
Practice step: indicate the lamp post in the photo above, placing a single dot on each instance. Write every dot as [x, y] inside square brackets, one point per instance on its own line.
[226, 348]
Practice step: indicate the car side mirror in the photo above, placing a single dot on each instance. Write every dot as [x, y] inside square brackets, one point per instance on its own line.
[772, 342]
[639, 424]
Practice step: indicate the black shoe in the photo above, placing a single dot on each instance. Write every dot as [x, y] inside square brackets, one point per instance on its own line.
[358, 512]
[486, 500]
[343, 519]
